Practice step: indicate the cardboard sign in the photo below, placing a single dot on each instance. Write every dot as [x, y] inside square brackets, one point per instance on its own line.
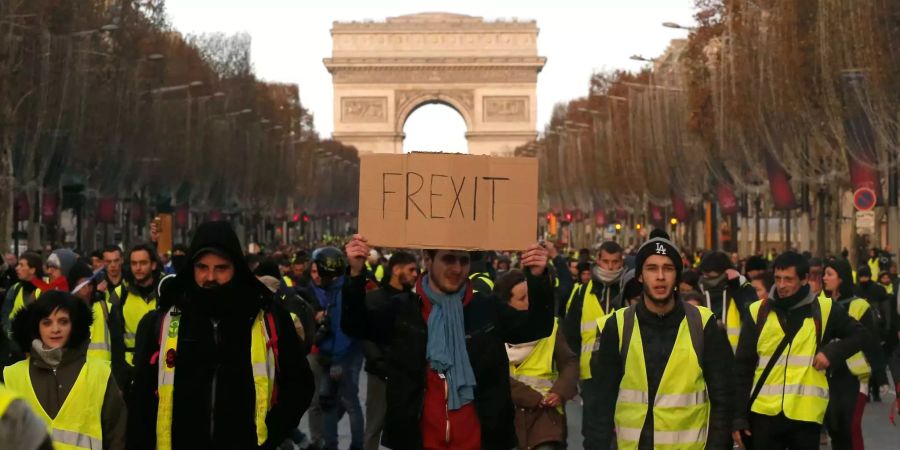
[448, 201]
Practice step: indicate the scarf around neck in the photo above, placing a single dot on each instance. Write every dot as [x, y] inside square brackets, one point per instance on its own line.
[446, 346]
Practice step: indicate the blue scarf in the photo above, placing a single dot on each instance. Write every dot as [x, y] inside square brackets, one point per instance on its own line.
[446, 348]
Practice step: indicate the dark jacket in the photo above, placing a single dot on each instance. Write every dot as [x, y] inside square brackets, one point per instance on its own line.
[489, 324]
[52, 386]
[564, 285]
[842, 336]
[536, 424]
[214, 396]
[871, 348]
[658, 334]
[572, 321]
[373, 351]
[743, 295]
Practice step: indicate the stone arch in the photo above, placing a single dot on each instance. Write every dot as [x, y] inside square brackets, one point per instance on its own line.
[412, 104]
[485, 70]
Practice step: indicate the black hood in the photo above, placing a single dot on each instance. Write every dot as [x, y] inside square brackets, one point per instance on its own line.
[843, 269]
[220, 238]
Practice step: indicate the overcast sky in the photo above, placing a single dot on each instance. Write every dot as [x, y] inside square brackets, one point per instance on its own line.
[578, 37]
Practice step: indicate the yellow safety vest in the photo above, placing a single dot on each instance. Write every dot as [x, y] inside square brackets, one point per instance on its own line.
[732, 318]
[793, 386]
[477, 275]
[287, 281]
[889, 288]
[538, 371]
[20, 303]
[262, 360]
[875, 267]
[77, 425]
[114, 295]
[100, 340]
[591, 311]
[134, 311]
[6, 398]
[681, 406]
[858, 364]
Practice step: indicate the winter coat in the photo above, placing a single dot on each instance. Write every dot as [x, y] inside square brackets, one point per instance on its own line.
[536, 424]
[214, 396]
[52, 387]
[489, 324]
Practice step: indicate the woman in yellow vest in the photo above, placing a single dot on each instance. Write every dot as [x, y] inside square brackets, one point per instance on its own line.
[849, 382]
[75, 395]
[543, 376]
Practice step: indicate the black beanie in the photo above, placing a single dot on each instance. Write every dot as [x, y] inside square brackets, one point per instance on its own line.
[660, 244]
[863, 271]
[78, 271]
[756, 262]
[715, 262]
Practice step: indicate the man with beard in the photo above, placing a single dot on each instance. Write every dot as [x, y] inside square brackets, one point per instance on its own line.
[726, 292]
[785, 347]
[594, 299]
[666, 366]
[403, 272]
[448, 382]
[218, 365]
[138, 299]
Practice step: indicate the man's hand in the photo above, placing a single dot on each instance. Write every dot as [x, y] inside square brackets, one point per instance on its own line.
[102, 286]
[732, 274]
[154, 231]
[535, 258]
[357, 252]
[552, 252]
[551, 400]
[738, 438]
[821, 362]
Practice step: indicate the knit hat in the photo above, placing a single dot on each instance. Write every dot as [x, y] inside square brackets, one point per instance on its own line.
[756, 262]
[660, 244]
[62, 259]
[717, 262]
[863, 271]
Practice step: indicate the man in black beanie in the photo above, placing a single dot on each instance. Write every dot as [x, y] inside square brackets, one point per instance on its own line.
[674, 363]
[726, 293]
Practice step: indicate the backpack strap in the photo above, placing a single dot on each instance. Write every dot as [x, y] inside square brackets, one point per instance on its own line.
[762, 314]
[627, 330]
[817, 320]
[695, 327]
[273, 345]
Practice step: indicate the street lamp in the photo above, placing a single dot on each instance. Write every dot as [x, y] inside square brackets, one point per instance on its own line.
[676, 26]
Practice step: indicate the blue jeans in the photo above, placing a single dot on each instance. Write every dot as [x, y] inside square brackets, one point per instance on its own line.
[339, 394]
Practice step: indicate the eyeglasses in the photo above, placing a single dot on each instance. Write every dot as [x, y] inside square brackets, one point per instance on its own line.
[451, 259]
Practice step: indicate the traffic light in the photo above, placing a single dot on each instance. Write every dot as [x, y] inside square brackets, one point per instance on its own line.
[568, 217]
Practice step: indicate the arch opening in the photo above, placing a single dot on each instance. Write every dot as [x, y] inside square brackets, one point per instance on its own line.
[435, 127]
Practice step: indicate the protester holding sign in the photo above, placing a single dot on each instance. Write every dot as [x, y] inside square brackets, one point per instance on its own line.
[446, 341]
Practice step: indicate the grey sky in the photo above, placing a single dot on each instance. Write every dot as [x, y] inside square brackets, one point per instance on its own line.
[290, 37]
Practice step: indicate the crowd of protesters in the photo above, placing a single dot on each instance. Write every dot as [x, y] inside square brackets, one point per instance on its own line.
[208, 347]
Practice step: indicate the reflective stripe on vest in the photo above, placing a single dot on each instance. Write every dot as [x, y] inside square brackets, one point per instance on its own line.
[591, 310]
[134, 309]
[538, 371]
[77, 425]
[99, 345]
[858, 364]
[262, 361]
[732, 318]
[483, 277]
[681, 406]
[794, 386]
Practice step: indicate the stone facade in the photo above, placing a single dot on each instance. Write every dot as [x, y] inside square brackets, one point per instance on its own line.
[383, 71]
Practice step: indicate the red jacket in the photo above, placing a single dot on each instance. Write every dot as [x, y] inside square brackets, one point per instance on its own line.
[441, 428]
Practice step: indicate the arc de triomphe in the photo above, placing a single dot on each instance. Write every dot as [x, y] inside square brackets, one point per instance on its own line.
[383, 71]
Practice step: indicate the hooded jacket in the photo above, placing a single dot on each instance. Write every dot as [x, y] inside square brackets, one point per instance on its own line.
[214, 395]
[52, 384]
